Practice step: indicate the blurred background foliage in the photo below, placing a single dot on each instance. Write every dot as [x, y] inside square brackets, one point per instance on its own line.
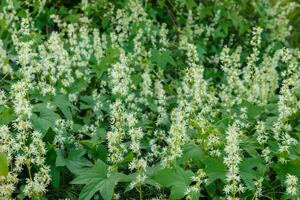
[236, 17]
[165, 11]
[295, 22]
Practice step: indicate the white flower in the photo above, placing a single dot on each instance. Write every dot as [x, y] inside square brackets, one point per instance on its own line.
[232, 160]
[291, 185]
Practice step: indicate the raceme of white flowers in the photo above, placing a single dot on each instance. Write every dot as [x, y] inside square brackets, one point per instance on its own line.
[54, 65]
[291, 185]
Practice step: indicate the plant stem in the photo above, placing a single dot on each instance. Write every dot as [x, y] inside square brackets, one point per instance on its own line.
[29, 170]
[139, 189]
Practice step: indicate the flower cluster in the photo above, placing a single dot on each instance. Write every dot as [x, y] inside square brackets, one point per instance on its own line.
[291, 185]
[232, 161]
[199, 180]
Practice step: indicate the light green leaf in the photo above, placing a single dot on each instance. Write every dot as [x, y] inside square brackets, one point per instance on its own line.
[3, 165]
[192, 152]
[6, 115]
[177, 179]
[215, 169]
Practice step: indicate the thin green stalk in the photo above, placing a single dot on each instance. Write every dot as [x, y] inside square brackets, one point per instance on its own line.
[29, 170]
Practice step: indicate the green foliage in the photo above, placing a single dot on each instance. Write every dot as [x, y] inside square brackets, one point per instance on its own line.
[43, 118]
[105, 62]
[177, 179]
[97, 179]
[161, 58]
[3, 165]
[74, 161]
[6, 115]
[215, 169]
[185, 99]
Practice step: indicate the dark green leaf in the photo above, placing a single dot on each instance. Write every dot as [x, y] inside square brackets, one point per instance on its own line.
[63, 103]
[74, 162]
[161, 58]
[97, 179]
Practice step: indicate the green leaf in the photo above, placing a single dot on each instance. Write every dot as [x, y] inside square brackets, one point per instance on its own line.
[192, 152]
[74, 162]
[252, 169]
[152, 104]
[215, 169]
[3, 165]
[6, 115]
[253, 111]
[111, 57]
[201, 49]
[55, 176]
[250, 145]
[78, 86]
[97, 172]
[190, 4]
[43, 118]
[44, 121]
[288, 168]
[177, 179]
[73, 18]
[96, 179]
[161, 58]
[63, 103]
[195, 195]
